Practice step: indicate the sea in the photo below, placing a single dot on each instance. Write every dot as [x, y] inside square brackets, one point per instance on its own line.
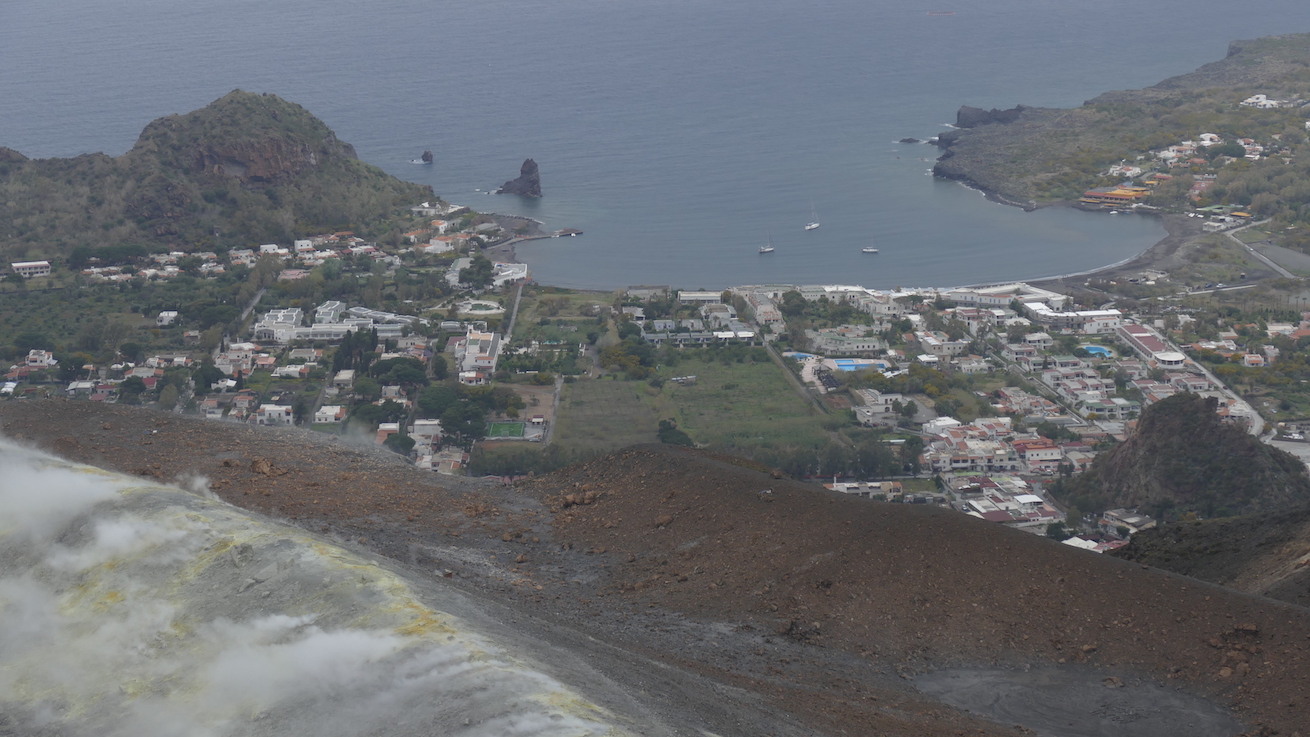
[679, 135]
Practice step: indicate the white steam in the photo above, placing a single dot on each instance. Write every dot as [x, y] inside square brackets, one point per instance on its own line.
[128, 609]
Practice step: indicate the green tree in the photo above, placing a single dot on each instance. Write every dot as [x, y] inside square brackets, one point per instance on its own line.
[434, 400]
[368, 389]
[168, 397]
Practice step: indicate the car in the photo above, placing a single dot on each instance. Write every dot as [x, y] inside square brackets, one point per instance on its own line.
[1220, 286]
[1209, 286]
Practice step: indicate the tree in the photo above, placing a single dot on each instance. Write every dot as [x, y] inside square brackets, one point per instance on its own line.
[478, 274]
[1057, 531]
[168, 397]
[434, 400]
[31, 340]
[368, 389]
[130, 391]
[439, 367]
[399, 443]
[464, 421]
[205, 376]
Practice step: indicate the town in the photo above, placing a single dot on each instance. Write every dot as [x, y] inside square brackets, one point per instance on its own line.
[978, 398]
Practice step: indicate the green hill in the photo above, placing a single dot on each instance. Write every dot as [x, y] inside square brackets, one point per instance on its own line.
[1039, 155]
[1184, 458]
[245, 168]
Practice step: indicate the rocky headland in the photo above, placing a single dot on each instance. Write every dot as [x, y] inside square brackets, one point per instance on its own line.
[245, 168]
[1031, 157]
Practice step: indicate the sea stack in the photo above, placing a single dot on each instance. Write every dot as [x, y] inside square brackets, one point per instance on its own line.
[427, 157]
[528, 184]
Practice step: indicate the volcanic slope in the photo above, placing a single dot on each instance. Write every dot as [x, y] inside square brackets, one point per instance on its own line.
[793, 611]
[1183, 457]
[1266, 554]
[245, 167]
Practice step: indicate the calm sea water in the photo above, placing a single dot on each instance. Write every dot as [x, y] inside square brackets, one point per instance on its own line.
[679, 134]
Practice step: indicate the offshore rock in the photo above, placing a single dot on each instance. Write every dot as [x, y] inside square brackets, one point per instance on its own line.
[427, 157]
[528, 184]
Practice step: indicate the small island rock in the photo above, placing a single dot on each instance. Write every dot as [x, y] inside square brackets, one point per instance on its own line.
[427, 157]
[910, 140]
[528, 184]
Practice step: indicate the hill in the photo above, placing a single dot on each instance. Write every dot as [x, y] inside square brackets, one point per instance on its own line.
[1184, 458]
[246, 168]
[1029, 156]
[733, 611]
[1266, 554]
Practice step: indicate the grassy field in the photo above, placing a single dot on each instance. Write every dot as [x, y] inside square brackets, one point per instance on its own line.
[604, 415]
[505, 430]
[739, 405]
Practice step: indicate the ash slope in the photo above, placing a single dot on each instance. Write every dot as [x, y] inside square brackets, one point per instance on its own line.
[802, 614]
[136, 608]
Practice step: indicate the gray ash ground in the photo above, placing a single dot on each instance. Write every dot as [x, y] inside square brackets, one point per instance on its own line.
[664, 572]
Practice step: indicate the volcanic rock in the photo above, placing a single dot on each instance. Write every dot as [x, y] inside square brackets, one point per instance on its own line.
[528, 184]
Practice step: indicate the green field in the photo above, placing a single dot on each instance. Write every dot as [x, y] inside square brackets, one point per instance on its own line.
[604, 415]
[505, 430]
[739, 406]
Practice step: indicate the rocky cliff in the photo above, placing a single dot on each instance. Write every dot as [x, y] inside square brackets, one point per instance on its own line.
[247, 166]
[1184, 458]
[528, 183]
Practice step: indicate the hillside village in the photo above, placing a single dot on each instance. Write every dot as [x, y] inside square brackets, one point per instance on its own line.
[976, 398]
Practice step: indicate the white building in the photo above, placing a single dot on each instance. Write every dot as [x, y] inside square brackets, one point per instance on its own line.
[30, 269]
[166, 317]
[273, 414]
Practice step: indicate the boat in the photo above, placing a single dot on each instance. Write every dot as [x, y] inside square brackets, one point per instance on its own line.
[767, 248]
[814, 219]
[868, 249]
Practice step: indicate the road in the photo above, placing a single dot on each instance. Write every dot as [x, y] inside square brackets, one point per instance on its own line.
[514, 314]
[1256, 254]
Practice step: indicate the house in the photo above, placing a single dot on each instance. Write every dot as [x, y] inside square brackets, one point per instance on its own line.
[166, 318]
[39, 359]
[329, 415]
[344, 379]
[274, 414]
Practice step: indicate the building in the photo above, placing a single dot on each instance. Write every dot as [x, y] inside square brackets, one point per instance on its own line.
[166, 318]
[273, 414]
[477, 355]
[329, 415]
[30, 269]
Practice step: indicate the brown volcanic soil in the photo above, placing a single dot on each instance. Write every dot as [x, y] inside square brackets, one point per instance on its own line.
[784, 613]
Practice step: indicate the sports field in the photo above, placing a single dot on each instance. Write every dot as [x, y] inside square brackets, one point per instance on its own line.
[505, 430]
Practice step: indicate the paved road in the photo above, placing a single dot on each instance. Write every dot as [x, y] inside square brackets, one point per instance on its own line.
[513, 315]
[1256, 254]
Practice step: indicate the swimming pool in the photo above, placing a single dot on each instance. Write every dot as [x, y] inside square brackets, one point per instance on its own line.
[1097, 350]
[853, 364]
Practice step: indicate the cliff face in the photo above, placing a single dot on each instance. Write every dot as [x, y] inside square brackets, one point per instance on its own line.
[245, 166]
[1183, 458]
[528, 183]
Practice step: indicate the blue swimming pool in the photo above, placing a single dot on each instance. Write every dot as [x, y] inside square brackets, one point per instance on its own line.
[1099, 351]
[852, 364]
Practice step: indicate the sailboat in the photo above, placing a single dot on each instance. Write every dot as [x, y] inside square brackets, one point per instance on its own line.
[868, 249]
[814, 219]
[769, 247]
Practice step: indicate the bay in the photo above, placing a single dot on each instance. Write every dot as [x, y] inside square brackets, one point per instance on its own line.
[678, 135]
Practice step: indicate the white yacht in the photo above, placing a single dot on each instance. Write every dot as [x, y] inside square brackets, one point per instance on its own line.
[814, 219]
[767, 248]
[868, 249]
